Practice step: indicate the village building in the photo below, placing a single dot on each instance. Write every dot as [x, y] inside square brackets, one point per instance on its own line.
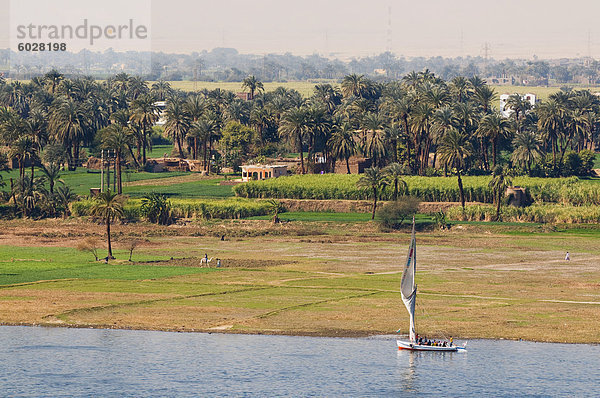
[262, 172]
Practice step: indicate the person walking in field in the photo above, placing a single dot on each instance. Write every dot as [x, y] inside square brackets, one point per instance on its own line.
[568, 257]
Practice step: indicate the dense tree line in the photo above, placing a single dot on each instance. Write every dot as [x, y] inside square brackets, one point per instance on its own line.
[227, 64]
[421, 122]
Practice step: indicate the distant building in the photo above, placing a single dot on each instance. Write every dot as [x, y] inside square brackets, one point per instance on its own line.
[244, 96]
[500, 81]
[262, 172]
[532, 98]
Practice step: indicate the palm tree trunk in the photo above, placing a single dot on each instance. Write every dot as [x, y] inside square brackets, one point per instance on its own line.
[374, 203]
[75, 155]
[483, 149]
[204, 162]
[299, 139]
[494, 144]
[461, 191]
[110, 255]
[144, 137]
[498, 208]
[119, 182]
[137, 165]
[348, 165]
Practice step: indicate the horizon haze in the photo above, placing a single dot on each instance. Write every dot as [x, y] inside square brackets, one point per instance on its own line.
[346, 29]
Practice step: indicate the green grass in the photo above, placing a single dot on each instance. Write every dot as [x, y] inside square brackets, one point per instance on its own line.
[29, 264]
[158, 151]
[597, 161]
[194, 189]
[80, 181]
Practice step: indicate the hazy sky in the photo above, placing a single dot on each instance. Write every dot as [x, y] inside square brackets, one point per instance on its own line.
[512, 28]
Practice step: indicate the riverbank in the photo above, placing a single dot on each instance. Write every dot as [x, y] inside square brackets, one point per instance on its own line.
[304, 278]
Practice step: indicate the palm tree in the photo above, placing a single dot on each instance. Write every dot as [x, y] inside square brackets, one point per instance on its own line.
[108, 206]
[353, 85]
[375, 180]
[117, 138]
[550, 122]
[484, 96]
[292, 126]
[22, 149]
[161, 90]
[62, 197]
[343, 144]
[260, 118]
[252, 84]
[68, 125]
[178, 123]
[394, 173]
[499, 183]
[52, 174]
[202, 130]
[519, 106]
[494, 126]
[144, 113]
[29, 193]
[459, 88]
[53, 79]
[455, 149]
[527, 149]
[328, 95]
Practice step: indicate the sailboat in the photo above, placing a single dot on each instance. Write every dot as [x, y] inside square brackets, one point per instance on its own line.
[408, 290]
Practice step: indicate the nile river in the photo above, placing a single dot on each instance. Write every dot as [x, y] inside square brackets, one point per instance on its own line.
[53, 362]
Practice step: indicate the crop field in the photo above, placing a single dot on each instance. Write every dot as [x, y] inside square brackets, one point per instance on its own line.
[305, 278]
[571, 190]
[206, 209]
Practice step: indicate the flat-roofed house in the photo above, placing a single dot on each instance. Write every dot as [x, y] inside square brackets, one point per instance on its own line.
[262, 172]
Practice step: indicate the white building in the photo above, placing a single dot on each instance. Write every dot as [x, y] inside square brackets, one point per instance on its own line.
[161, 105]
[262, 172]
[532, 98]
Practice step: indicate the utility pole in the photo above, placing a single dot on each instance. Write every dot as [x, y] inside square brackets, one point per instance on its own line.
[486, 53]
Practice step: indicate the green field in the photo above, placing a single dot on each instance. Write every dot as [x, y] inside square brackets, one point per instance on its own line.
[176, 184]
[22, 265]
[316, 278]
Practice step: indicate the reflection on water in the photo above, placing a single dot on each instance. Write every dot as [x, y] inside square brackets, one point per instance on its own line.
[86, 362]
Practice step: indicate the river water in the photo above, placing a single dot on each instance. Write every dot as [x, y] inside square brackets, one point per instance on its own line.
[53, 362]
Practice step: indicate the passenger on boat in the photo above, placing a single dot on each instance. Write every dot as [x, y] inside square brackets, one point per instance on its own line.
[451, 341]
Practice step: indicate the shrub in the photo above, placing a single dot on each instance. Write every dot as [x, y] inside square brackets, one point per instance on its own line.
[157, 209]
[392, 214]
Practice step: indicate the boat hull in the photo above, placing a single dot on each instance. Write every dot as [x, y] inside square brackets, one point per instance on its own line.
[406, 345]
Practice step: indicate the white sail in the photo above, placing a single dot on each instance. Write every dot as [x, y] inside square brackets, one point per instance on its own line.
[408, 288]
